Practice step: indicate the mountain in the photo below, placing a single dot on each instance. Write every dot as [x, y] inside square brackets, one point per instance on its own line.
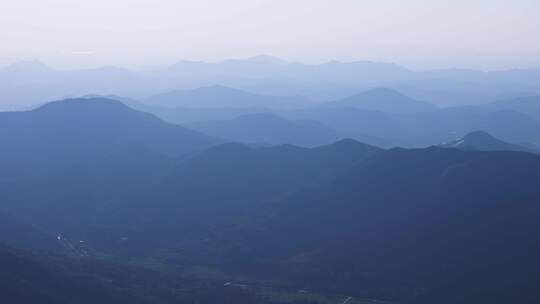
[527, 105]
[252, 71]
[482, 141]
[269, 128]
[180, 115]
[290, 167]
[413, 226]
[225, 185]
[188, 116]
[78, 129]
[27, 83]
[67, 158]
[424, 128]
[222, 97]
[427, 225]
[529, 75]
[459, 87]
[407, 225]
[384, 100]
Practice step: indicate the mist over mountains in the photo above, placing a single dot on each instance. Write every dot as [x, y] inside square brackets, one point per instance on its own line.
[389, 154]
[110, 180]
[223, 97]
[27, 83]
[267, 181]
[270, 129]
[380, 116]
[383, 100]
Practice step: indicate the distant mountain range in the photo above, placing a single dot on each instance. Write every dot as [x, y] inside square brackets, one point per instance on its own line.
[382, 117]
[28, 83]
[378, 117]
[526, 105]
[424, 128]
[194, 115]
[223, 97]
[226, 103]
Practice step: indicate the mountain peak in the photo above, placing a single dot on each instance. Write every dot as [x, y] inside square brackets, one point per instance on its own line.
[267, 59]
[482, 141]
[93, 103]
[478, 135]
[77, 129]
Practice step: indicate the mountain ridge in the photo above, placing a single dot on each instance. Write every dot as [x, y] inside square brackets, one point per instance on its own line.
[482, 141]
[219, 96]
[384, 100]
[269, 128]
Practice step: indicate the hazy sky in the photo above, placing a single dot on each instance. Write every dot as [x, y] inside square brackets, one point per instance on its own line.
[418, 33]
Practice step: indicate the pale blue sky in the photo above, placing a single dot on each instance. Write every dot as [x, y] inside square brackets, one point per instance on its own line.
[486, 34]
